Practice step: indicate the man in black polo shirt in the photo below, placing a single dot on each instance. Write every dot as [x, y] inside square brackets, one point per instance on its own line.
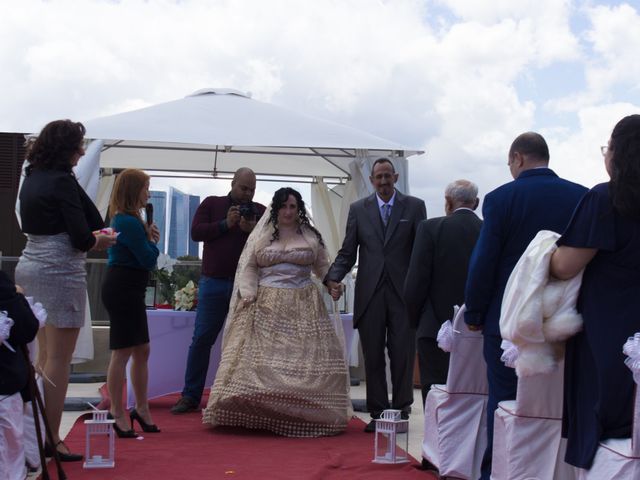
[223, 224]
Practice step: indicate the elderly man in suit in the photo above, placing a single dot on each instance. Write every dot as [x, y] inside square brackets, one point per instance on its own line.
[437, 276]
[513, 214]
[380, 232]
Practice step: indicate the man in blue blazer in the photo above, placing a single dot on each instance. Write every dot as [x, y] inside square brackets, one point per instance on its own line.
[380, 233]
[513, 214]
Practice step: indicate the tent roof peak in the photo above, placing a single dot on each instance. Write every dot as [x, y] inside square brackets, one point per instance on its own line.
[219, 91]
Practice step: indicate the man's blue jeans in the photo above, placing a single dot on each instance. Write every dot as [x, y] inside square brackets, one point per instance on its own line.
[214, 295]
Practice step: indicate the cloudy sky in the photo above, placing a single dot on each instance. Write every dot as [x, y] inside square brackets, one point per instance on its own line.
[456, 78]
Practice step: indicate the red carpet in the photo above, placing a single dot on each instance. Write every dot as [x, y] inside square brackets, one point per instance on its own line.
[188, 449]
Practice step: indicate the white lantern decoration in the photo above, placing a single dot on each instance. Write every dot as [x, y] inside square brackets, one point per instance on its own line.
[392, 438]
[100, 441]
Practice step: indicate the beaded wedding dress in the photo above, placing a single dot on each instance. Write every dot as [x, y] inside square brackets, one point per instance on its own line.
[282, 367]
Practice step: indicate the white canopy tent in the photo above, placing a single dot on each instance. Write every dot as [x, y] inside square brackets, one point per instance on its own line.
[213, 132]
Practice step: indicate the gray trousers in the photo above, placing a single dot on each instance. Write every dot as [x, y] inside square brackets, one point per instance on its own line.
[385, 324]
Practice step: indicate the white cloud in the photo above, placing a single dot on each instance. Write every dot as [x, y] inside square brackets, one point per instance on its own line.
[547, 22]
[611, 67]
[441, 75]
[615, 37]
[577, 156]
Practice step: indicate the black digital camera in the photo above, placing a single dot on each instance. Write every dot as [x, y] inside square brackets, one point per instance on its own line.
[246, 211]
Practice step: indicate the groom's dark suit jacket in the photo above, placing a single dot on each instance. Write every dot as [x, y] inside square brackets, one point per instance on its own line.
[380, 250]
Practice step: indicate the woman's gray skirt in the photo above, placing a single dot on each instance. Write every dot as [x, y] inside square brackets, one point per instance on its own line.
[53, 272]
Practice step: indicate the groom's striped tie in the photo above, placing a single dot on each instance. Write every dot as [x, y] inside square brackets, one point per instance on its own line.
[386, 213]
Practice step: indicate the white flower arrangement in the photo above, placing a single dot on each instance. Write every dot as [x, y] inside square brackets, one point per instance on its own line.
[165, 278]
[165, 262]
[185, 298]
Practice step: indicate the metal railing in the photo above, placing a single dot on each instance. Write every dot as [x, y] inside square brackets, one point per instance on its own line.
[184, 269]
[96, 271]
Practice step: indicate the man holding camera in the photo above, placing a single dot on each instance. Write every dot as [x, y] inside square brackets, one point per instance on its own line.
[223, 224]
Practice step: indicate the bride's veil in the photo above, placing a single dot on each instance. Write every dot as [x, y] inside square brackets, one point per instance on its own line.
[261, 233]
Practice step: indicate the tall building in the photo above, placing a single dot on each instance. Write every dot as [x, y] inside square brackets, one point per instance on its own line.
[180, 206]
[194, 202]
[159, 202]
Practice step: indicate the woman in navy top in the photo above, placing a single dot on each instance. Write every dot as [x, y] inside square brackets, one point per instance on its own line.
[130, 260]
[603, 237]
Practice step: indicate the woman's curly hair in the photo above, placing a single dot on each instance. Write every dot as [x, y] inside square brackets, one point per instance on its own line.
[279, 199]
[625, 167]
[54, 148]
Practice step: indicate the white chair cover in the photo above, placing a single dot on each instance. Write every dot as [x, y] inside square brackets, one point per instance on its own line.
[619, 457]
[526, 433]
[12, 460]
[455, 416]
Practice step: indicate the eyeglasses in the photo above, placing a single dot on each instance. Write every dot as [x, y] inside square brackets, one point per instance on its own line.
[604, 149]
[84, 144]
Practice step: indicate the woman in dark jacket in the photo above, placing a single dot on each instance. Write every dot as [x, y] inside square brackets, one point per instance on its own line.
[59, 219]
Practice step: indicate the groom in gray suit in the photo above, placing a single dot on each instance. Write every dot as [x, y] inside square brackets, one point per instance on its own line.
[380, 233]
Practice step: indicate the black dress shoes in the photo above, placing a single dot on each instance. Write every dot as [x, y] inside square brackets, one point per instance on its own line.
[427, 465]
[185, 405]
[371, 426]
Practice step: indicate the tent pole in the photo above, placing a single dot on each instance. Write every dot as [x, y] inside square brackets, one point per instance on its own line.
[332, 163]
[333, 181]
[215, 164]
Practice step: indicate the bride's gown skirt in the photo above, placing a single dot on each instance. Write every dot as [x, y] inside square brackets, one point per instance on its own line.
[282, 366]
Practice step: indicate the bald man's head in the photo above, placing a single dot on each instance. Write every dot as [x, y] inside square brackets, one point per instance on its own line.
[531, 144]
[529, 150]
[243, 185]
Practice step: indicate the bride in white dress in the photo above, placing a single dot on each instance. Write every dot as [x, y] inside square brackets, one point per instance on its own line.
[282, 367]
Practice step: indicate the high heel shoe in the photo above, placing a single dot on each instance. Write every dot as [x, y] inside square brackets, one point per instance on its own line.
[122, 433]
[146, 427]
[64, 457]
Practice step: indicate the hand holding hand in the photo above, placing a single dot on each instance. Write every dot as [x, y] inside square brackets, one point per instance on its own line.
[475, 328]
[335, 289]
